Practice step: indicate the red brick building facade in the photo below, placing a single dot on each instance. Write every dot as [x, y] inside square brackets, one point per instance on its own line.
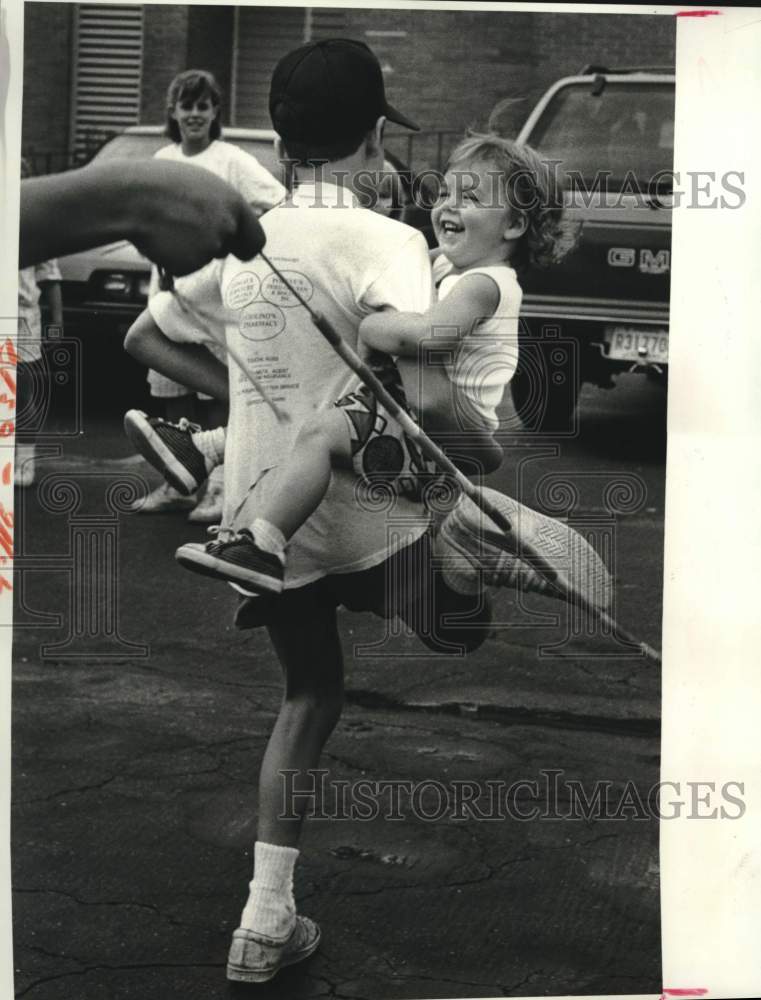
[445, 68]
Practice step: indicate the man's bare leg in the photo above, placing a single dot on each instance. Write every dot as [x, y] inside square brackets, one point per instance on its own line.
[312, 662]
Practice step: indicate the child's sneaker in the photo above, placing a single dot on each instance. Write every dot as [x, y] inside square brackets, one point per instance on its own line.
[170, 449]
[237, 559]
[505, 559]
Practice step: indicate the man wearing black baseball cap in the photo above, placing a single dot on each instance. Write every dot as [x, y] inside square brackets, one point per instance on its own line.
[325, 96]
[329, 106]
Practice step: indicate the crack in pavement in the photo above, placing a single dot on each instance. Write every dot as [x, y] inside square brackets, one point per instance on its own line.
[493, 871]
[332, 989]
[67, 791]
[509, 715]
[134, 773]
[510, 990]
[117, 968]
[402, 977]
[492, 741]
[100, 902]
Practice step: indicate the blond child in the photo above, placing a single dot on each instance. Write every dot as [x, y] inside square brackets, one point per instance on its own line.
[498, 211]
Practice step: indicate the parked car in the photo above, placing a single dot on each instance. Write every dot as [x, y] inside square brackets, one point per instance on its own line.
[605, 308]
[110, 284]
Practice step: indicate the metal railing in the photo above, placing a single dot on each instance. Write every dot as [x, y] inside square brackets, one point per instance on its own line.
[428, 150]
[55, 161]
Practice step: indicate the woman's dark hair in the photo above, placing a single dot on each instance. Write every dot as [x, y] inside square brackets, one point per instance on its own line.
[192, 85]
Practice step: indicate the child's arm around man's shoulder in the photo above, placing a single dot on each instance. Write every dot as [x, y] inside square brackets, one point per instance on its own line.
[473, 298]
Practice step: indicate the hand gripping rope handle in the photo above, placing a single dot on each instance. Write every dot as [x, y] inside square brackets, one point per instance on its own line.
[433, 452]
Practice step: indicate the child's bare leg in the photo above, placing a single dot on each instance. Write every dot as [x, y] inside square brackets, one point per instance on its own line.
[301, 484]
[312, 663]
[254, 558]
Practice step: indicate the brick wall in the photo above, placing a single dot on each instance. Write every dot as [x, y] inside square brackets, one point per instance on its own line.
[165, 51]
[47, 81]
[210, 38]
[448, 69]
[177, 38]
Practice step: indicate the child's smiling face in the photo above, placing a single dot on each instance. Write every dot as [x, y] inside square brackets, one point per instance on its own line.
[472, 219]
[194, 117]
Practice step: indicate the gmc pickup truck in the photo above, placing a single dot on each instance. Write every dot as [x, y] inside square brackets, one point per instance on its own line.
[605, 308]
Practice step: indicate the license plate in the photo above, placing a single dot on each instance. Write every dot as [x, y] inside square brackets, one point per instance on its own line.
[627, 343]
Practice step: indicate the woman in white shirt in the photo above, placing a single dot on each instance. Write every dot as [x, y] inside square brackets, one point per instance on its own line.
[193, 113]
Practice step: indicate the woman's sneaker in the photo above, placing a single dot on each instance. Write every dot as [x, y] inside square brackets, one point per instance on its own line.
[169, 448]
[236, 558]
[210, 505]
[163, 500]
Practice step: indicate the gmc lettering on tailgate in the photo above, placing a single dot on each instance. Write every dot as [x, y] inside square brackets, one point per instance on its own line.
[649, 262]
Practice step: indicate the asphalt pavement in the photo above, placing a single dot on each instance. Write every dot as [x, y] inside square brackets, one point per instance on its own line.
[140, 716]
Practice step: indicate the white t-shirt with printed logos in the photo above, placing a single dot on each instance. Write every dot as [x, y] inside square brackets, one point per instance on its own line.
[346, 261]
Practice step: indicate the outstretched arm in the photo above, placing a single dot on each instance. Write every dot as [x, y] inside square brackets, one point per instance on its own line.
[474, 297]
[178, 216]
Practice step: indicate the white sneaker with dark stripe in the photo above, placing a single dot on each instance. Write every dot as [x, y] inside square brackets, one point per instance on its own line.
[504, 559]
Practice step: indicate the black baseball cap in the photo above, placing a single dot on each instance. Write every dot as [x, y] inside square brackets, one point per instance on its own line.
[329, 90]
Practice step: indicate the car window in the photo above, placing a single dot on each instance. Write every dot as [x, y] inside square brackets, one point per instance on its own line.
[624, 130]
[130, 145]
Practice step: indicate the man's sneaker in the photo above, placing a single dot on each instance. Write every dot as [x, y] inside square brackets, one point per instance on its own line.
[169, 448]
[507, 558]
[163, 500]
[23, 465]
[255, 958]
[209, 508]
[236, 558]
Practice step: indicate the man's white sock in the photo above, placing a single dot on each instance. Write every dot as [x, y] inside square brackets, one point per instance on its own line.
[211, 444]
[271, 909]
[269, 537]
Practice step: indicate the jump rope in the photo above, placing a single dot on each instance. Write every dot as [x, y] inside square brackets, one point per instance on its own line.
[430, 449]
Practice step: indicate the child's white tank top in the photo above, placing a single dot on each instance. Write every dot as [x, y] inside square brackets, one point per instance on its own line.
[488, 353]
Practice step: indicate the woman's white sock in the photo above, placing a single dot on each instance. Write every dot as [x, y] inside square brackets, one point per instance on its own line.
[271, 909]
